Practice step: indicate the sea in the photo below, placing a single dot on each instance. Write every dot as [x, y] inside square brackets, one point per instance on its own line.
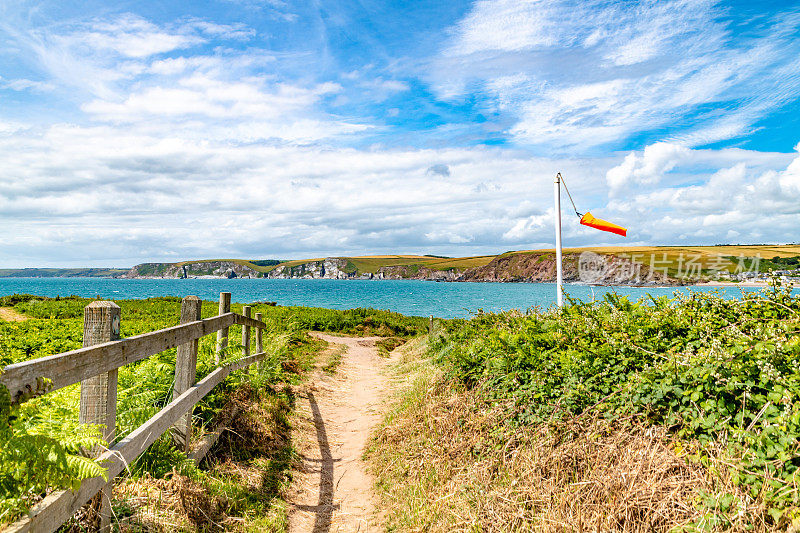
[409, 297]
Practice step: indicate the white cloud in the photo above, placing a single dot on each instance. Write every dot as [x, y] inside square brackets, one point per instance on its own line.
[7, 128]
[204, 106]
[647, 168]
[742, 194]
[201, 95]
[99, 55]
[91, 183]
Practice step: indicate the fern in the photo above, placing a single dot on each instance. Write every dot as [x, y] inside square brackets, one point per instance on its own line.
[38, 454]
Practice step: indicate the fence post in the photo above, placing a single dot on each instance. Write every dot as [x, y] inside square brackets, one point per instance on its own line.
[259, 342]
[246, 333]
[186, 371]
[222, 335]
[430, 325]
[101, 321]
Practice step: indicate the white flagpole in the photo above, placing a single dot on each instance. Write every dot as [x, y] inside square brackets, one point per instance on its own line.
[559, 273]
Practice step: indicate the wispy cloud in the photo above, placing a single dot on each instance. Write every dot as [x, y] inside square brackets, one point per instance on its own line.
[582, 75]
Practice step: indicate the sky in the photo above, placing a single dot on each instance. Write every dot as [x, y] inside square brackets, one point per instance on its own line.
[170, 130]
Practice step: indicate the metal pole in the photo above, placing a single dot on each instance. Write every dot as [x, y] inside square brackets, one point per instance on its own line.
[559, 273]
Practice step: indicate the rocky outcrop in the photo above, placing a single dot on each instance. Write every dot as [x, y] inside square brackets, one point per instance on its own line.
[587, 267]
[417, 272]
[199, 269]
[328, 268]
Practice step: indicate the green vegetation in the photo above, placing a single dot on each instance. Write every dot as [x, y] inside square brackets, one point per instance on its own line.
[388, 344]
[780, 263]
[44, 432]
[266, 262]
[515, 425]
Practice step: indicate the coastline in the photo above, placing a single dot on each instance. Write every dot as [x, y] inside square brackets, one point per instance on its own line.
[732, 284]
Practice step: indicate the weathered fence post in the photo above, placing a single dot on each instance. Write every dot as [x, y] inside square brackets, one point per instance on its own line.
[259, 342]
[222, 335]
[430, 325]
[246, 333]
[101, 322]
[186, 371]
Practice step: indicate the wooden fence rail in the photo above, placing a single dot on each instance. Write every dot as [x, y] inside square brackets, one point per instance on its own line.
[95, 367]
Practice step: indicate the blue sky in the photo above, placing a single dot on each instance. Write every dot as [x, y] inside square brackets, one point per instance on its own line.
[140, 131]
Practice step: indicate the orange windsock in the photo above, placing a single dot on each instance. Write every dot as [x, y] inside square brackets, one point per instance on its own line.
[602, 225]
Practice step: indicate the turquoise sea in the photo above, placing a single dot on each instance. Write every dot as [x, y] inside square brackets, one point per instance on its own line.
[422, 298]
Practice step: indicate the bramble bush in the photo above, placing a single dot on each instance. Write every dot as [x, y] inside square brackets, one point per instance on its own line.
[717, 373]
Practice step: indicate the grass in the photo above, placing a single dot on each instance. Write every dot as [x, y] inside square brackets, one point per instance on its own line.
[242, 483]
[388, 344]
[449, 459]
[332, 358]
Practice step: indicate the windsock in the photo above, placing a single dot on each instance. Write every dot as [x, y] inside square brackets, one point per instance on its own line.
[602, 225]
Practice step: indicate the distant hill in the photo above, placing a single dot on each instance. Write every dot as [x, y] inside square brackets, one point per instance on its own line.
[61, 272]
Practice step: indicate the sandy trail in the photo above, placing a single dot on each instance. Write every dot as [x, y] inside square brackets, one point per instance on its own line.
[10, 315]
[332, 490]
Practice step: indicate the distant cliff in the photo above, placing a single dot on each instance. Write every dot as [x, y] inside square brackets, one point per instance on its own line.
[198, 269]
[607, 269]
[418, 272]
[328, 268]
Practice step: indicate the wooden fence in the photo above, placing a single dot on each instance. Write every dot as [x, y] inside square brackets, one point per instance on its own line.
[95, 367]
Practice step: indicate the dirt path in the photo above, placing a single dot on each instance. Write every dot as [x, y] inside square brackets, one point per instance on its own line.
[9, 315]
[333, 491]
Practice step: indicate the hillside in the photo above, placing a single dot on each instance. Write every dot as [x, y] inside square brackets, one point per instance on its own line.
[61, 272]
[642, 265]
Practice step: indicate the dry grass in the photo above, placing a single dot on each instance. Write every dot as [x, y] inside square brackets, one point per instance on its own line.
[460, 262]
[240, 490]
[11, 315]
[331, 357]
[448, 460]
[782, 250]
